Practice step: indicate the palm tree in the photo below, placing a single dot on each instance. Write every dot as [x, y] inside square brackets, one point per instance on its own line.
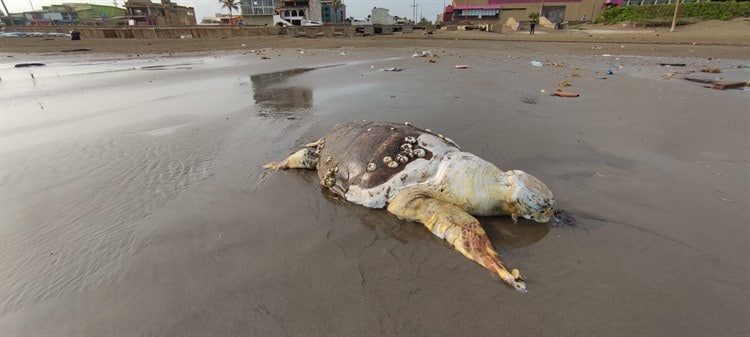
[230, 5]
[335, 5]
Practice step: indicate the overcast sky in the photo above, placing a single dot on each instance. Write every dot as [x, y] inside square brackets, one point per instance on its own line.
[355, 8]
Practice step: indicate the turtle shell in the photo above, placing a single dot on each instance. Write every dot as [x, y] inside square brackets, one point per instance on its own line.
[370, 154]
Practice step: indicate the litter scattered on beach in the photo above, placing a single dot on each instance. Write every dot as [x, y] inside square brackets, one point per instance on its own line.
[424, 53]
[561, 93]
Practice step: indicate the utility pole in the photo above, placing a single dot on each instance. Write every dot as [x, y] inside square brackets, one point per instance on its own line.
[674, 18]
[32, 6]
[414, 11]
[10, 18]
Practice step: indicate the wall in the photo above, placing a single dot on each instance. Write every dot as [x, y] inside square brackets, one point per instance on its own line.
[194, 31]
[257, 20]
[574, 11]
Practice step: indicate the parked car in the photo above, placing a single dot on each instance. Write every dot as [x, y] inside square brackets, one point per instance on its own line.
[311, 23]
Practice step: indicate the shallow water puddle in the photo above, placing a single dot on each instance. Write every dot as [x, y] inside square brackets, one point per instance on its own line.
[285, 102]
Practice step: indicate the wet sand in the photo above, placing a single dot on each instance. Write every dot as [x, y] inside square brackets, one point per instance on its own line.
[134, 202]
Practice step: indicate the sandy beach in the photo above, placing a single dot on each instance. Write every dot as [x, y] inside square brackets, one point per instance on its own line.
[133, 200]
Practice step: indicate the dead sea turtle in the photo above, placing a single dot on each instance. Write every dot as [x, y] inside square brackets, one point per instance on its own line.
[422, 176]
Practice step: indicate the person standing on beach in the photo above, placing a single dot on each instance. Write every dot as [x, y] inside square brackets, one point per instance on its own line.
[532, 25]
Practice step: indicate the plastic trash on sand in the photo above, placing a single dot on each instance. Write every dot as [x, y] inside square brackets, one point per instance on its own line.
[561, 93]
[536, 63]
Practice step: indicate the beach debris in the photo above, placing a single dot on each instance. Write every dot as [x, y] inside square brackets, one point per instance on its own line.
[243, 45]
[672, 64]
[424, 53]
[461, 66]
[606, 55]
[536, 63]
[712, 70]
[26, 65]
[302, 52]
[563, 218]
[575, 74]
[393, 69]
[740, 66]
[610, 72]
[561, 93]
[728, 85]
[343, 53]
[529, 99]
[264, 57]
[431, 61]
[564, 83]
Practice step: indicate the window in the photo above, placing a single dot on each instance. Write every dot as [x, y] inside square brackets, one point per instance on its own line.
[258, 7]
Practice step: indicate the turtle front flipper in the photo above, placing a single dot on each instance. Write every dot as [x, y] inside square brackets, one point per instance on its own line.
[459, 228]
[305, 158]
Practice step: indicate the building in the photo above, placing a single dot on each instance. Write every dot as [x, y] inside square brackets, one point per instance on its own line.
[472, 11]
[258, 12]
[557, 11]
[50, 18]
[87, 14]
[261, 12]
[296, 11]
[331, 15]
[166, 13]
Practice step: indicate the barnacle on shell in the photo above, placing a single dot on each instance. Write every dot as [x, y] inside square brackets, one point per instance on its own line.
[419, 153]
[329, 181]
[387, 160]
[402, 158]
[406, 147]
[371, 167]
[410, 139]
[393, 164]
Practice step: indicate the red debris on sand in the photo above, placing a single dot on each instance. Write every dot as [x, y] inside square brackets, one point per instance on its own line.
[565, 93]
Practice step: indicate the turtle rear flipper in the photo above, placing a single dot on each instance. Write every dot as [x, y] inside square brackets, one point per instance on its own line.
[305, 158]
[460, 229]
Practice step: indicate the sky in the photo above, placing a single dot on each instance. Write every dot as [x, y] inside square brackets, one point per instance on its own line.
[356, 8]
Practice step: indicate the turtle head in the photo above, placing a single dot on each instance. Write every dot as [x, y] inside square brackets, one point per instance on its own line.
[529, 197]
